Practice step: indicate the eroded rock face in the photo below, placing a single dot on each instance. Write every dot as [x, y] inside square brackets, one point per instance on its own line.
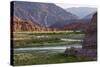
[89, 44]
[90, 40]
[19, 25]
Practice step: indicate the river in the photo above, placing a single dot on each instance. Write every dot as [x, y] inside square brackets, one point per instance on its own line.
[47, 49]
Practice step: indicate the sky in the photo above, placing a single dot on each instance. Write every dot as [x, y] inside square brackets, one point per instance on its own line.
[65, 6]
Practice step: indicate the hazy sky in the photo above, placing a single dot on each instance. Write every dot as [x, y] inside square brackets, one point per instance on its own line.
[72, 5]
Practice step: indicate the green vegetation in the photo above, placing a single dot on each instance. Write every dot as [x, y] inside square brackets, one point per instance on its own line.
[47, 33]
[37, 39]
[40, 58]
[44, 44]
[46, 39]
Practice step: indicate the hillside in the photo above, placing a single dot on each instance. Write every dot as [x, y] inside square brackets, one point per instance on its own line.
[81, 12]
[44, 14]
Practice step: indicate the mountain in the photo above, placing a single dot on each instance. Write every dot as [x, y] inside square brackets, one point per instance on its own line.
[21, 25]
[81, 12]
[77, 25]
[84, 16]
[44, 14]
[82, 24]
[89, 16]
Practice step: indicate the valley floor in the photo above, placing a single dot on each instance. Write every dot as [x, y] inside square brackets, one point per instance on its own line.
[47, 39]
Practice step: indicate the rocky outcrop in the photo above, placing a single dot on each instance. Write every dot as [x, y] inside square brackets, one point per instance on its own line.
[90, 40]
[89, 45]
[91, 53]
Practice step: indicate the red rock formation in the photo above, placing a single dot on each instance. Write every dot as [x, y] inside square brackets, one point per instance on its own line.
[21, 25]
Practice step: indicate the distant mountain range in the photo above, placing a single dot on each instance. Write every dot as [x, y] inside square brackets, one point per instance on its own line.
[81, 12]
[32, 16]
[89, 16]
[84, 16]
[82, 25]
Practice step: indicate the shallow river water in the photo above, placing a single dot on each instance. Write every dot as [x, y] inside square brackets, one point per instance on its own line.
[46, 49]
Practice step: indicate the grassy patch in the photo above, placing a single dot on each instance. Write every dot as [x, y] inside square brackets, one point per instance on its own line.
[45, 39]
[38, 58]
[44, 44]
[48, 33]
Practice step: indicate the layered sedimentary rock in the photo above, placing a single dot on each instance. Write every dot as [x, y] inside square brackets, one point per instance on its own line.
[19, 25]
